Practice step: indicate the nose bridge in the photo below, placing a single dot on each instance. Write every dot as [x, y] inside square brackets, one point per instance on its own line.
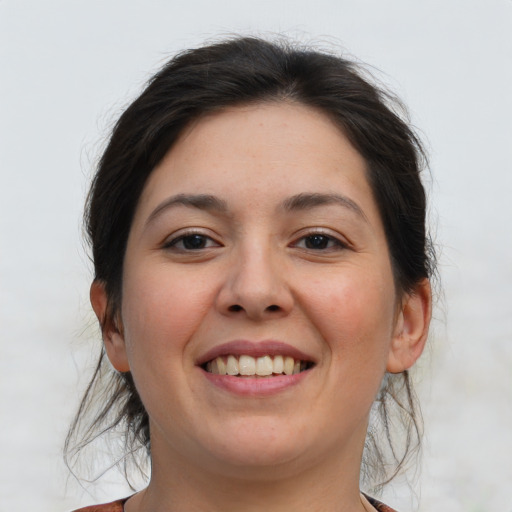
[256, 284]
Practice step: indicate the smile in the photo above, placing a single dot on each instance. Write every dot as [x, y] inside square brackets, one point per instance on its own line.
[263, 366]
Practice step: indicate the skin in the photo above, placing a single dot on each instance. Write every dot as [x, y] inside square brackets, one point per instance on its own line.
[258, 276]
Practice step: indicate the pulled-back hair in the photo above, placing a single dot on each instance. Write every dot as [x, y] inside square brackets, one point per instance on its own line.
[244, 71]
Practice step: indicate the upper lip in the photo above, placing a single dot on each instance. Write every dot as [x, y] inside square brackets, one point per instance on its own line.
[254, 349]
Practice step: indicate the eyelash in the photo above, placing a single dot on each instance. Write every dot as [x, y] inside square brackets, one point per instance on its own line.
[327, 242]
[333, 243]
[181, 239]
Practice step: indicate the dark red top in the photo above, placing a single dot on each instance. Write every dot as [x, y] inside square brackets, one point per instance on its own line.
[118, 506]
[115, 506]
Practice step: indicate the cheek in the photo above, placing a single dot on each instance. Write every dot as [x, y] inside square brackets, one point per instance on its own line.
[355, 314]
[161, 312]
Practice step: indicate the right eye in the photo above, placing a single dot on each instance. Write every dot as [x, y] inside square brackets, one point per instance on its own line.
[319, 242]
[191, 242]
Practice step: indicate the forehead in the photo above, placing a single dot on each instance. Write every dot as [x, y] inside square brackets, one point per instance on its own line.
[260, 151]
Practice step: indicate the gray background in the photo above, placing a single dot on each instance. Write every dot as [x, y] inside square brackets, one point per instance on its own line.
[67, 68]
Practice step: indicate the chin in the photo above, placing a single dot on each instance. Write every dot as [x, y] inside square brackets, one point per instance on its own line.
[256, 445]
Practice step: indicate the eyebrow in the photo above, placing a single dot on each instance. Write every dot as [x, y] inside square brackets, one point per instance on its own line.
[306, 201]
[200, 201]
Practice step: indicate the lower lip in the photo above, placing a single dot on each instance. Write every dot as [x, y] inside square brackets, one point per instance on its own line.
[255, 386]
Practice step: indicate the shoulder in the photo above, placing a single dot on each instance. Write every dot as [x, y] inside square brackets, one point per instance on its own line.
[115, 506]
[380, 507]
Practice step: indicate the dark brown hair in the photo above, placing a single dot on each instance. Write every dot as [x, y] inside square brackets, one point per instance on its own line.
[245, 71]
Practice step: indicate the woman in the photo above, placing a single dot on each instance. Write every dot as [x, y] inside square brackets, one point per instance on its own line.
[262, 270]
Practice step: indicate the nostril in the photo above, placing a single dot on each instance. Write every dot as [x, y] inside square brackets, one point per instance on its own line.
[236, 308]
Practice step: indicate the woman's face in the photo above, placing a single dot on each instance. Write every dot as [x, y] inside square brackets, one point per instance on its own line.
[257, 248]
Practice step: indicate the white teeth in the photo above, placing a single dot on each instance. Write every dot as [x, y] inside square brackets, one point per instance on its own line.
[247, 365]
[221, 365]
[232, 366]
[264, 366]
[288, 365]
[278, 364]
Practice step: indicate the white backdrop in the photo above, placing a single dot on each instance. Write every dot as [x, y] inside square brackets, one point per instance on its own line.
[66, 70]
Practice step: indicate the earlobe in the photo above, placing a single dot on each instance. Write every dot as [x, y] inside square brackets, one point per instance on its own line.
[411, 329]
[113, 337]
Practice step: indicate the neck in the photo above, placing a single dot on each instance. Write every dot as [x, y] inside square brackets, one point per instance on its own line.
[330, 483]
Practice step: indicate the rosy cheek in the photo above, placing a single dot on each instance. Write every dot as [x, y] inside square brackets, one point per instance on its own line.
[343, 310]
[346, 299]
[162, 311]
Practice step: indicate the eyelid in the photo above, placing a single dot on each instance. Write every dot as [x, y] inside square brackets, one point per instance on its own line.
[173, 239]
[341, 242]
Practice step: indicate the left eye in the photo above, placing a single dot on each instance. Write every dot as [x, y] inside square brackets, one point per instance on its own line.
[318, 241]
[191, 242]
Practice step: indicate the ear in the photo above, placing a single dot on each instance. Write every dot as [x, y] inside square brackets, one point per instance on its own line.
[113, 337]
[411, 329]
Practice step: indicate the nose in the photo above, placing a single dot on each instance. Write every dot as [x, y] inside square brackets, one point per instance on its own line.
[255, 287]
